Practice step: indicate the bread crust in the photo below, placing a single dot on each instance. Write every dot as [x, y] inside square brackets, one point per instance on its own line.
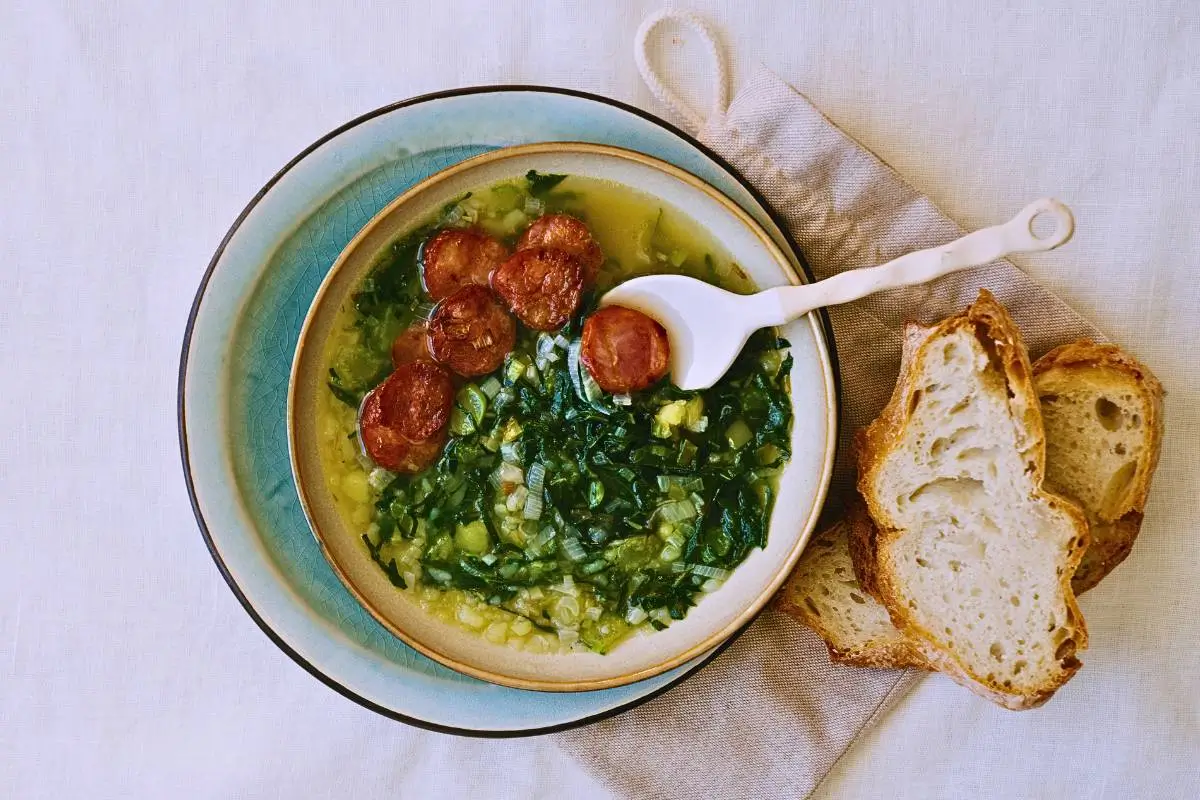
[988, 320]
[861, 532]
[898, 654]
[1113, 534]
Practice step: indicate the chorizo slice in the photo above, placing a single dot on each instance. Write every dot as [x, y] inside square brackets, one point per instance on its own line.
[564, 232]
[411, 345]
[541, 285]
[397, 454]
[470, 332]
[624, 350]
[459, 257]
[402, 422]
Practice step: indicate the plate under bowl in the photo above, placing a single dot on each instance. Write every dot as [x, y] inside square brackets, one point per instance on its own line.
[233, 381]
[802, 484]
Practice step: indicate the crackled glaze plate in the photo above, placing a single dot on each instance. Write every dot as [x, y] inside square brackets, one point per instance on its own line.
[234, 373]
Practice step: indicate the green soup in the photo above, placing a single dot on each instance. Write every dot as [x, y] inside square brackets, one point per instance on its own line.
[559, 516]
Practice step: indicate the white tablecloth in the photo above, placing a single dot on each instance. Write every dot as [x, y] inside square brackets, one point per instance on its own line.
[131, 135]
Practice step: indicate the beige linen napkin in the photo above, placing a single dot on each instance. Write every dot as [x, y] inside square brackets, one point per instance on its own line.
[770, 716]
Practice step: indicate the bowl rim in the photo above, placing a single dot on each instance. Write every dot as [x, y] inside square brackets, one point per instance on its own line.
[713, 639]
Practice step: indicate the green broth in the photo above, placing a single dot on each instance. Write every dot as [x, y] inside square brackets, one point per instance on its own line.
[646, 503]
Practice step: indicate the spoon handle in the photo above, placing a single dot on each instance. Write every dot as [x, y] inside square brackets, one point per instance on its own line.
[981, 247]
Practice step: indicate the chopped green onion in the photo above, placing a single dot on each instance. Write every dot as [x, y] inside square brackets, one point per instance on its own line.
[635, 616]
[509, 452]
[507, 473]
[622, 400]
[591, 568]
[768, 454]
[660, 429]
[573, 548]
[515, 369]
[662, 616]
[543, 538]
[460, 422]
[512, 429]
[771, 361]
[516, 500]
[537, 476]
[595, 494]
[491, 387]
[562, 341]
[533, 506]
[472, 400]
[738, 434]
[574, 369]
[591, 390]
[703, 570]
[379, 478]
[531, 375]
[673, 413]
[677, 511]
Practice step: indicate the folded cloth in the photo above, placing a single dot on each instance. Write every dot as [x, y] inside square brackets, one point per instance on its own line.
[771, 715]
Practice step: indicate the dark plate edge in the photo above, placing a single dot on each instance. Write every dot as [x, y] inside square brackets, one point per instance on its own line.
[187, 341]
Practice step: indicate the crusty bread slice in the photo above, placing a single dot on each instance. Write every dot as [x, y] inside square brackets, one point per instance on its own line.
[973, 557]
[1071, 382]
[825, 594]
[1102, 411]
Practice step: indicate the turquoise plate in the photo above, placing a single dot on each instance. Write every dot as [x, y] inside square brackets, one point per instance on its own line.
[237, 353]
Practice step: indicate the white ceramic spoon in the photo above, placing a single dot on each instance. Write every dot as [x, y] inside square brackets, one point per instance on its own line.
[708, 327]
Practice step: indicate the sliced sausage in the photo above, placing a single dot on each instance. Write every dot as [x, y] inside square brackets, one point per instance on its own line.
[541, 285]
[402, 422]
[398, 454]
[411, 345]
[564, 232]
[624, 350]
[415, 400]
[457, 258]
[470, 332]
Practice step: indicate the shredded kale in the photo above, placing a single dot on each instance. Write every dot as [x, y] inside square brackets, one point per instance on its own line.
[345, 395]
[389, 567]
[540, 185]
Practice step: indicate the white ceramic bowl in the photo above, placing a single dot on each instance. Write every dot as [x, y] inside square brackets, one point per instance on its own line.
[803, 482]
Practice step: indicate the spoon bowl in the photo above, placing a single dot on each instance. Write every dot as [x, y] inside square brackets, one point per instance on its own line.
[707, 326]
